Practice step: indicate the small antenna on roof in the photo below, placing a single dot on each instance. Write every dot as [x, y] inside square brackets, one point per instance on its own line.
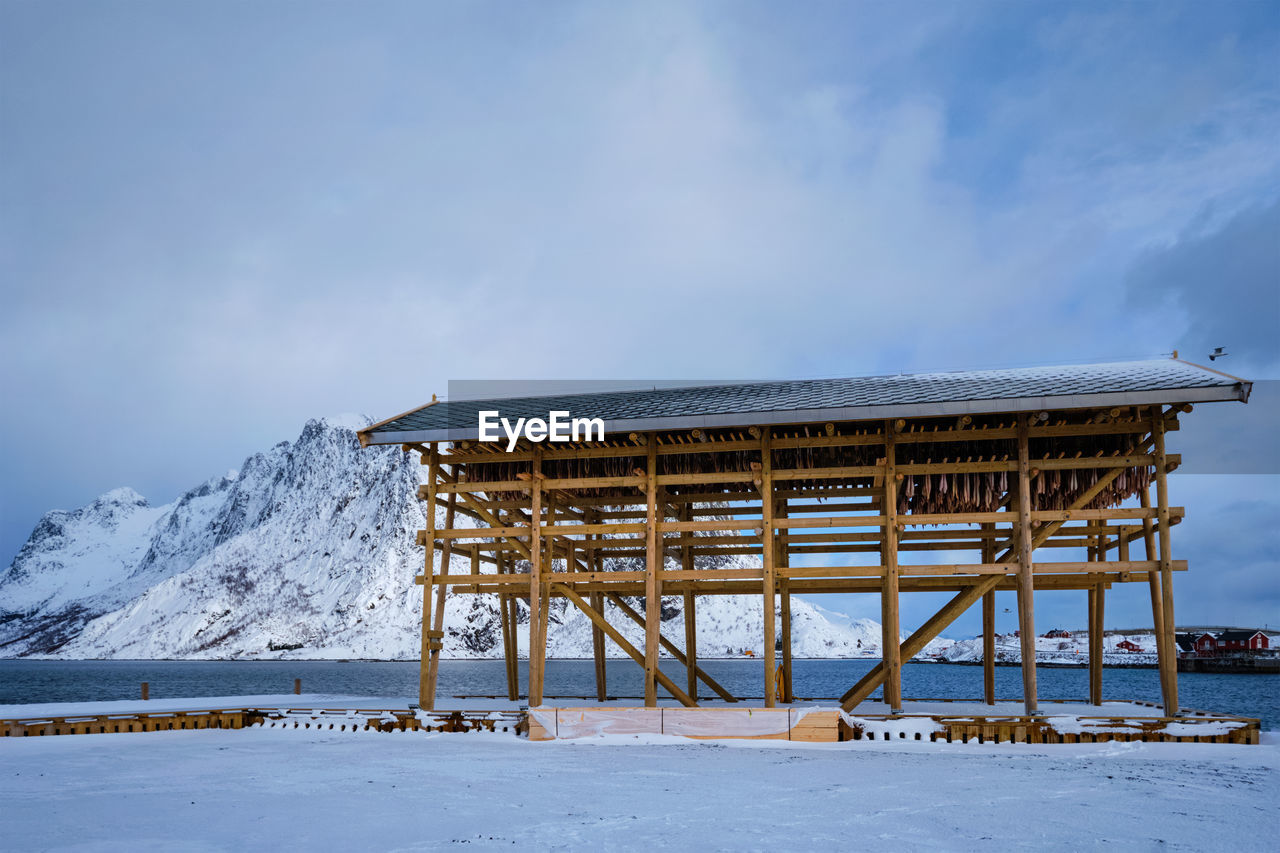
[1217, 354]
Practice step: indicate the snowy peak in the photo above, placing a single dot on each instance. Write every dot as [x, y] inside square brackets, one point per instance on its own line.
[123, 497]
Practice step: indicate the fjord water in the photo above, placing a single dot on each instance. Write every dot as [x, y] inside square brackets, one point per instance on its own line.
[29, 681]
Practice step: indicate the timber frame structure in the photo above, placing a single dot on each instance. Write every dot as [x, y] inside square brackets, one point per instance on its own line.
[826, 486]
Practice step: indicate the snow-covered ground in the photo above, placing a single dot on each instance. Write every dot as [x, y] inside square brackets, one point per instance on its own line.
[274, 789]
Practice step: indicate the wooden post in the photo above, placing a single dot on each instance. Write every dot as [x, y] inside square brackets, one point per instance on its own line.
[690, 612]
[506, 616]
[1153, 578]
[1157, 597]
[652, 583]
[596, 561]
[1168, 660]
[146, 691]
[1096, 605]
[890, 630]
[766, 532]
[429, 539]
[548, 572]
[537, 647]
[784, 590]
[437, 616]
[989, 621]
[1026, 580]
[297, 687]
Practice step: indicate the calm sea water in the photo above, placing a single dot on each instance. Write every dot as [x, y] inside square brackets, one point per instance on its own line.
[76, 681]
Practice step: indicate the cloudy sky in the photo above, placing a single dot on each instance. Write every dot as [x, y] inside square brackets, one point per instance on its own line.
[220, 219]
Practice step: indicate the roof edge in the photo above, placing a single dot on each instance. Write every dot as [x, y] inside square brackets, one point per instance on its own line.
[365, 435]
[1213, 394]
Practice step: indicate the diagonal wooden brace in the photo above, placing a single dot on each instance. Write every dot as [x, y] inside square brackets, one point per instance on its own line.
[621, 641]
[676, 653]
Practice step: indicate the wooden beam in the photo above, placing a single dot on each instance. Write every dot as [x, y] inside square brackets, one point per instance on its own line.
[622, 643]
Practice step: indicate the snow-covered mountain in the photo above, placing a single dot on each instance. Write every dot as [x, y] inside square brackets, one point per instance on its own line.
[306, 552]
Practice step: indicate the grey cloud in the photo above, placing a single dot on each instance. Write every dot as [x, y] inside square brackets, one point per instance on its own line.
[1226, 284]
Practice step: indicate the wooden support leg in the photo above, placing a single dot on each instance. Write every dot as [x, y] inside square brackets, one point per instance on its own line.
[691, 641]
[548, 572]
[1096, 605]
[433, 475]
[595, 559]
[784, 595]
[989, 648]
[437, 617]
[1157, 595]
[690, 611]
[769, 584]
[1096, 624]
[891, 634]
[784, 591]
[508, 631]
[1026, 578]
[1168, 661]
[989, 623]
[652, 583]
[597, 649]
[537, 646]
[513, 665]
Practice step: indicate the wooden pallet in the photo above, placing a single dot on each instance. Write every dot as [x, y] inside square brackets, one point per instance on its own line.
[969, 729]
[514, 722]
[233, 718]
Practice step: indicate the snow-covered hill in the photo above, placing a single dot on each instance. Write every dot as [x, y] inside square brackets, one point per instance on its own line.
[306, 552]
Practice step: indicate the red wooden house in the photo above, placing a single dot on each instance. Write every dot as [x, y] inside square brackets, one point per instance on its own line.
[1243, 640]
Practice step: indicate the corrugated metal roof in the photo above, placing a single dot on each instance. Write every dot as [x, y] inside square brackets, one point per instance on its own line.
[814, 400]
